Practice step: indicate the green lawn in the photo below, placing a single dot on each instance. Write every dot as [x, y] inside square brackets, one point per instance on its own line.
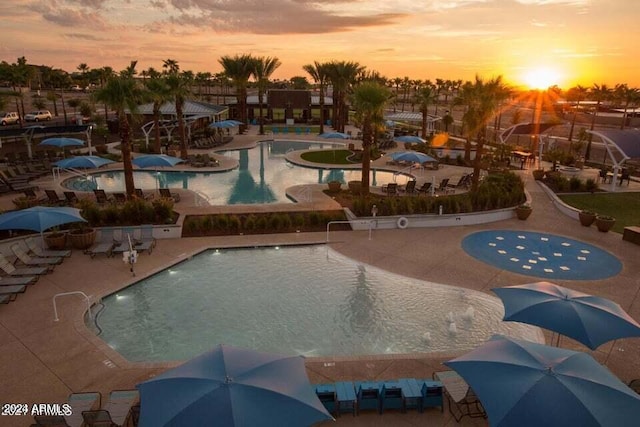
[334, 157]
[624, 207]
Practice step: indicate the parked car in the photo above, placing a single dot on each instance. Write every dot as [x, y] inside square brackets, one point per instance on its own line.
[9, 118]
[76, 88]
[37, 116]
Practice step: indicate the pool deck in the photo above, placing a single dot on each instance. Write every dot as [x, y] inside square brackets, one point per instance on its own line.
[42, 361]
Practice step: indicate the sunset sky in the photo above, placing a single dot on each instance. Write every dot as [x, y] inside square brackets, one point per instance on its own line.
[564, 42]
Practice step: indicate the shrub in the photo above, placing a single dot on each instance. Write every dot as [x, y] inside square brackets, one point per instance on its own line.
[298, 220]
[234, 223]
[590, 185]
[163, 208]
[261, 223]
[249, 223]
[575, 184]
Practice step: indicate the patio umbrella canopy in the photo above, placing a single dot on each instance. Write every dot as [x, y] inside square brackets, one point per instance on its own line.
[83, 162]
[410, 139]
[229, 386]
[588, 319]
[62, 142]
[39, 218]
[412, 156]
[155, 161]
[334, 135]
[526, 384]
[225, 124]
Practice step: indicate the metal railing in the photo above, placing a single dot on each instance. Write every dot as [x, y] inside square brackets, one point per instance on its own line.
[372, 223]
[55, 307]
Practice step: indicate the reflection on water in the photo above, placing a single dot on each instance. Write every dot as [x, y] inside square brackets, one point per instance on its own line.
[305, 300]
[262, 176]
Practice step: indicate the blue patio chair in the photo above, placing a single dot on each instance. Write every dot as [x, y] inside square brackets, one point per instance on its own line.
[275, 130]
[327, 395]
[412, 393]
[285, 129]
[432, 395]
[307, 131]
[391, 396]
[368, 396]
[298, 131]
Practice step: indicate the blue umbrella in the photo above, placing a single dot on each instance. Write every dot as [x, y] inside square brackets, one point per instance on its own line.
[83, 162]
[62, 142]
[334, 135]
[410, 139]
[588, 319]
[526, 384]
[225, 124]
[412, 156]
[229, 386]
[39, 218]
[156, 160]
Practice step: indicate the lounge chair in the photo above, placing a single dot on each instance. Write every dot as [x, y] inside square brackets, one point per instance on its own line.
[37, 250]
[71, 197]
[425, 188]
[327, 395]
[101, 196]
[12, 292]
[368, 395]
[53, 198]
[122, 244]
[120, 197]
[391, 396]
[635, 385]
[105, 245]
[8, 268]
[140, 194]
[146, 241]
[167, 194]
[391, 189]
[17, 280]
[21, 252]
[443, 185]
[116, 412]
[80, 402]
[410, 188]
[49, 421]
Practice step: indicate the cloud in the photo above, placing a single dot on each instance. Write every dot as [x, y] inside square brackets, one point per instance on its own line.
[76, 18]
[81, 36]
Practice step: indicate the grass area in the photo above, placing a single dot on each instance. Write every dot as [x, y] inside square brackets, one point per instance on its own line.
[624, 207]
[334, 157]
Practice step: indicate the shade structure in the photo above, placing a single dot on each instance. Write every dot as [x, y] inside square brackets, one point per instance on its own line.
[334, 135]
[410, 139]
[156, 161]
[39, 218]
[230, 386]
[588, 319]
[83, 162]
[526, 384]
[412, 156]
[62, 142]
[225, 124]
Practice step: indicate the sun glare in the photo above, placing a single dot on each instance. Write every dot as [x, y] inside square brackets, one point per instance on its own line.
[541, 78]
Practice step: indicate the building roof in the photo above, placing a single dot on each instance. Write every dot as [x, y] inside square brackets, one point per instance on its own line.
[410, 117]
[190, 108]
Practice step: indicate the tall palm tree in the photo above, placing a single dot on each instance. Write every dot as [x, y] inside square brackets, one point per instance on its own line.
[319, 72]
[576, 94]
[628, 95]
[179, 87]
[599, 93]
[483, 99]
[397, 82]
[158, 92]
[424, 97]
[369, 100]
[263, 68]
[122, 93]
[239, 69]
[342, 75]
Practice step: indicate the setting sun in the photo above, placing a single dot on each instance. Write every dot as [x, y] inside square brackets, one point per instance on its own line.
[541, 78]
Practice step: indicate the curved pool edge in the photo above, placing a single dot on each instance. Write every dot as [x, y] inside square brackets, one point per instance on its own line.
[113, 355]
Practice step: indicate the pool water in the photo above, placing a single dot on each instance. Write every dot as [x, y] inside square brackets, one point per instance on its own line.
[263, 176]
[306, 300]
[541, 255]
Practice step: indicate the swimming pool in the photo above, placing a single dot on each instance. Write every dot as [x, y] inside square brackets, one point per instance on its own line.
[541, 255]
[263, 176]
[306, 300]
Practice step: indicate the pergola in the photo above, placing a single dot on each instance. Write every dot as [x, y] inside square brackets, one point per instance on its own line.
[534, 130]
[28, 133]
[621, 145]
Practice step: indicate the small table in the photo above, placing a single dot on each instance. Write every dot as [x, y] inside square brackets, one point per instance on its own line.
[346, 396]
[453, 384]
[411, 393]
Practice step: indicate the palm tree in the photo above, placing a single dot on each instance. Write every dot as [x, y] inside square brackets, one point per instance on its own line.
[599, 93]
[397, 82]
[319, 72]
[239, 69]
[158, 92]
[483, 99]
[628, 95]
[369, 100]
[179, 87]
[122, 93]
[342, 75]
[575, 94]
[425, 97]
[263, 68]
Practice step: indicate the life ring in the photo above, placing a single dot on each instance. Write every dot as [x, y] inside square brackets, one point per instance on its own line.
[403, 222]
